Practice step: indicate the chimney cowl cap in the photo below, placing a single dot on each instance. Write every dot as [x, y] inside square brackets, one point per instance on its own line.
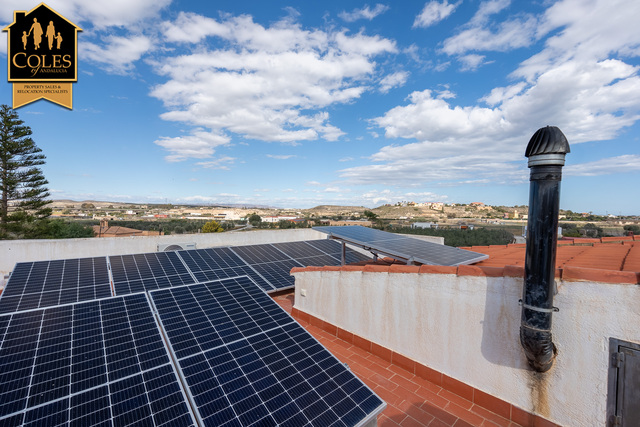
[547, 140]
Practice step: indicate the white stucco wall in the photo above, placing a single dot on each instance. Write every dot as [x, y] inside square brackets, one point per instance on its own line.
[14, 251]
[467, 327]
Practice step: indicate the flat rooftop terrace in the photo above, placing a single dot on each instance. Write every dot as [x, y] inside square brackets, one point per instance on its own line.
[411, 399]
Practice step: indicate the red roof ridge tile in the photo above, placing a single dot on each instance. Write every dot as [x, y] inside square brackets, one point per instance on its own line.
[572, 273]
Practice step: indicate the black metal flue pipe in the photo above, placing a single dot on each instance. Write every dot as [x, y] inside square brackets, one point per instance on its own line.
[546, 152]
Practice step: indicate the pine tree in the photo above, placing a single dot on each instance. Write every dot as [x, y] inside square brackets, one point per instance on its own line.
[23, 205]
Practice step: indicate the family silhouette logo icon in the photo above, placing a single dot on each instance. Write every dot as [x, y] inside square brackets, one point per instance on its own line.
[43, 56]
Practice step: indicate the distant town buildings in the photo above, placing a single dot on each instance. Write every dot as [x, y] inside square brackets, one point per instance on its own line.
[105, 230]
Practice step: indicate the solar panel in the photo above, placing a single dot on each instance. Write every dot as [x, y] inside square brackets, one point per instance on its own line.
[402, 247]
[270, 262]
[334, 248]
[143, 272]
[297, 250]
[278, 273]
[245, 361]
[91, 363]
[50, 283]
[220, 263]
[257, 254]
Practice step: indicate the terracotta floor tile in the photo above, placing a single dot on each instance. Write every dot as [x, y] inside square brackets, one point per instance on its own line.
[463, 423]
[407, 395]
[356, 358]
[398, 370]
[402, 381]
[411, 422]
[452, 397]
[384, 421]
[415, 412]
[379, 361]
[495, 419]
[360, 371]
[488, 423]
[411, 400]
[464, 414]
[442, 415]
[432, 398]
[382, 371]
[387, 396]
[439, 423]
[426, 384]
[383, 382]
[396, 414]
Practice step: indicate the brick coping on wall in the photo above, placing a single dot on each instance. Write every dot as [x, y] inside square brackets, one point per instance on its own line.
[568, 273]
[474, 395]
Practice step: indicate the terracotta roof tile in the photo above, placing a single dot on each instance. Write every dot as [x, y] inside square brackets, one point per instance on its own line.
[576, 259]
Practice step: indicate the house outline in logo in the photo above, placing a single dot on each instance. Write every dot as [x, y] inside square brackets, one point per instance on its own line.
[42, 48]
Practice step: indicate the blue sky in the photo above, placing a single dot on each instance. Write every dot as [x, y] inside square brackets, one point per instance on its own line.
[297, 103]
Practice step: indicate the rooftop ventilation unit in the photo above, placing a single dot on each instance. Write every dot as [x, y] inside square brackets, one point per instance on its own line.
[176, 247]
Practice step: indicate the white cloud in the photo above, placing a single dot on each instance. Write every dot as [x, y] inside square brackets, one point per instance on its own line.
[346, 159]
[501, 94]
[192, 28]
[386, 195]
[365, 13]
[263, 82]
[588, 91]
[488, 8]
[99, 14]
[221, 163]
[506, 36]
[394, 80]
[434, 12]
[200, 144]
[607, 166]
[471, 62]
[589, 102]
[588, 31]
[118, 54]
[281, 156]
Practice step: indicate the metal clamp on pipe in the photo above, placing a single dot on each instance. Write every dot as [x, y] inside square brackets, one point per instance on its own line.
[541, 310]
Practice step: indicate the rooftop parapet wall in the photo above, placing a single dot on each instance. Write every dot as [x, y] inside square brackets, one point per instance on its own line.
[464, 322]
[14, 251]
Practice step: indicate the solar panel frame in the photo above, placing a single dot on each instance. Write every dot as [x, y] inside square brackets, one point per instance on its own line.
[258, 254]
[40, 284]
[152, 270]
[266, 361]
[403, 247]
[220, 263]
[278, 273]
[296, 250]
[334, 249]
[89, 363]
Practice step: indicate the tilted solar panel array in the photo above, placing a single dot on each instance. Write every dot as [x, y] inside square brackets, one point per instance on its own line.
[71, 353]
[334, 249]
[402, 247]
[220, 263]
[89, 363]
[246, 361]
[275, 261]
[143, 272]
[49, 283]
[268, 265]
